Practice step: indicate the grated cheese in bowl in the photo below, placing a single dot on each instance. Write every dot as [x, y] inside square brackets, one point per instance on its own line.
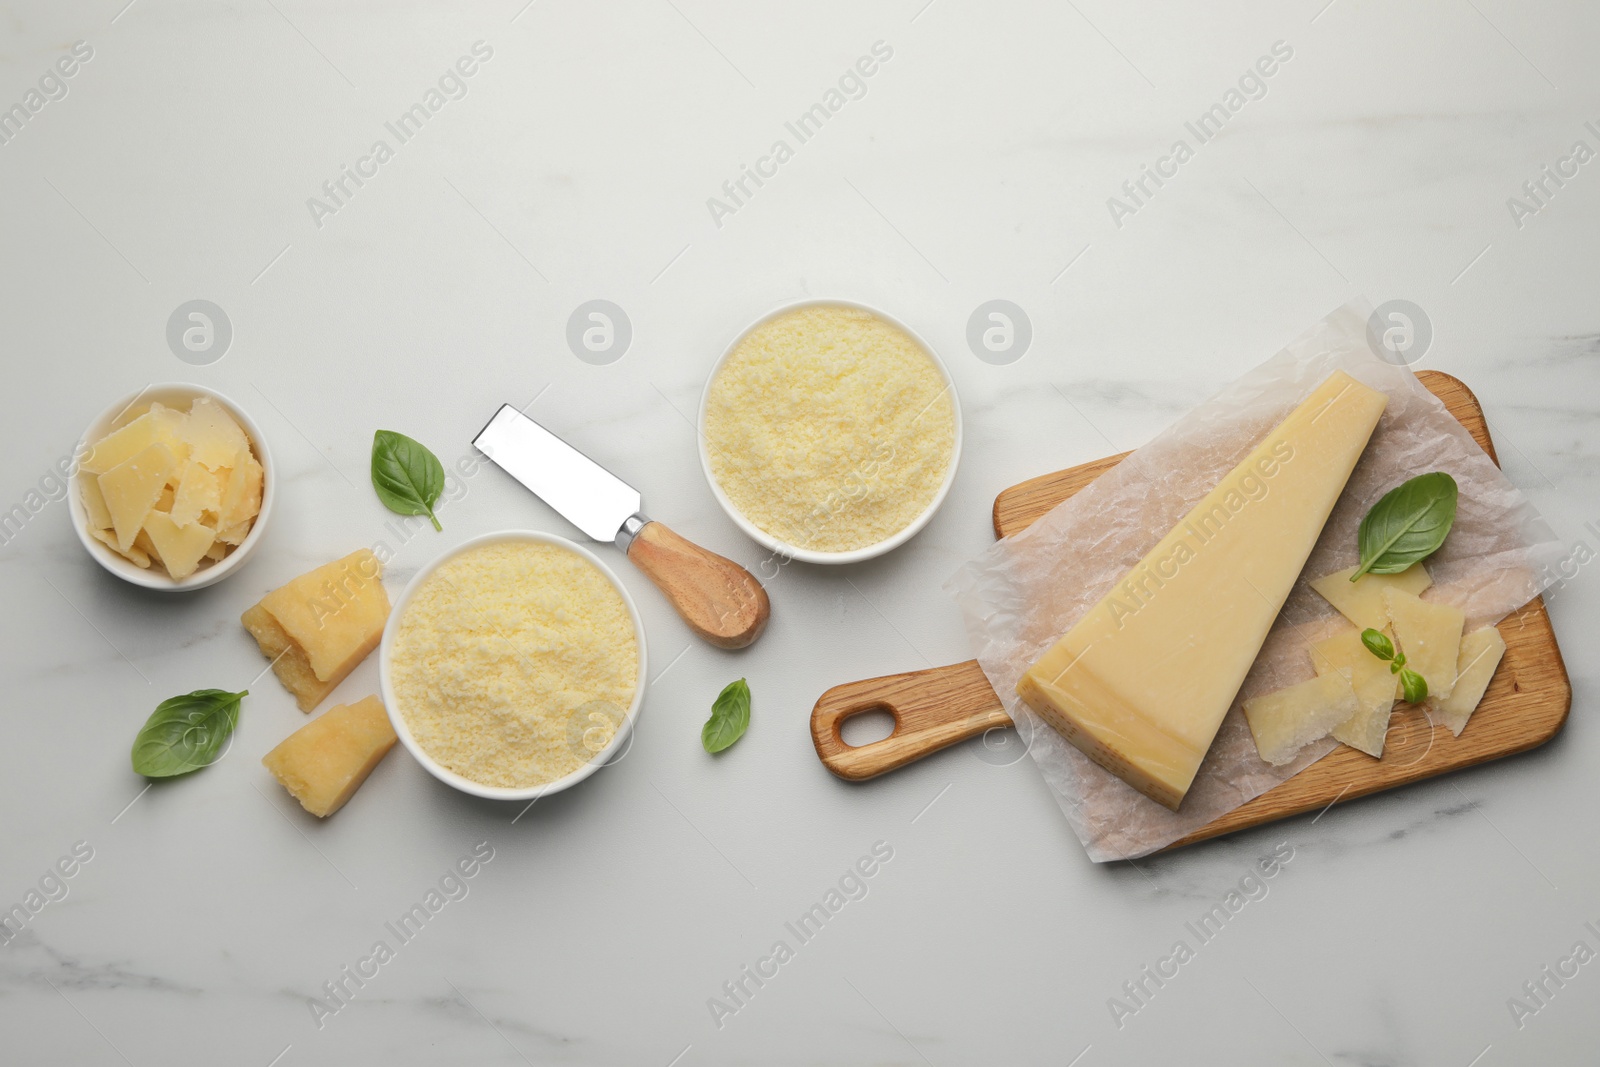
[511, 667]
[830, 433]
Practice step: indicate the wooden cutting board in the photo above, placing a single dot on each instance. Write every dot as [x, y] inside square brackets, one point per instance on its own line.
[1525, 706]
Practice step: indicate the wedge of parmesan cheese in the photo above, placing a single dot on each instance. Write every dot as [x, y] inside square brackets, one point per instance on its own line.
[1288, 720]
[1141, 683]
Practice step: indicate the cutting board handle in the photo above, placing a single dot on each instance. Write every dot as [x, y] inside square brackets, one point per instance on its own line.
[932, 709]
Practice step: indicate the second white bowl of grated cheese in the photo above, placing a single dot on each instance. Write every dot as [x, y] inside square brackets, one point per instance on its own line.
[513, 666]
[830, 432]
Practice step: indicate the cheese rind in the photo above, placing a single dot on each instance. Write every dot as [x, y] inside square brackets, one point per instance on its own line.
[1429, 634]
[1288, 720]
[1361, 601]
[1142, 682]
[1375, 687]
[1481, 651]
[324, 762]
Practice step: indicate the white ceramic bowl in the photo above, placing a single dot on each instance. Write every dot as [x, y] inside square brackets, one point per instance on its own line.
[810, 555]
[444, 774]
[175, 395]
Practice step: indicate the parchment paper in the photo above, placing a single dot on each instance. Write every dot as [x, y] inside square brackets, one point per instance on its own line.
[1029, 589]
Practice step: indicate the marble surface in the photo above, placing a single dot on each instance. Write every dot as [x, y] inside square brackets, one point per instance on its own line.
[1379, 158]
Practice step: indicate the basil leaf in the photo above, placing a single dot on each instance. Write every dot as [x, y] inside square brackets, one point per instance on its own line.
[1407, 525]
[1378, 643]
[730, 717]
[1399, 661]
[408, 478]
[186, 733]
[1413, 686]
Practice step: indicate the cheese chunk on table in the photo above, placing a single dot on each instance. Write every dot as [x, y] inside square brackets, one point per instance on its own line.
[1481, 651]
[1288, 720]
[318, 627]
[1375, 687]
[324, 762]
[1141, 683]
[1361, 601]
[1430, 636]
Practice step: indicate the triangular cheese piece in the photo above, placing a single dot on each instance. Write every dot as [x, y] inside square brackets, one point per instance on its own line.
[1288, 720]
[1361, 601]
[241, 496]
[134, 554]
[1375, 686]
[180, 548]
[1429, 633]
[214, 437]
[94, 503]
[132, 487]
[1142, 682]
[1481, 651]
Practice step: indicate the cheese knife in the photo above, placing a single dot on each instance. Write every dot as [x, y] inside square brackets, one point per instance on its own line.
[720, 600]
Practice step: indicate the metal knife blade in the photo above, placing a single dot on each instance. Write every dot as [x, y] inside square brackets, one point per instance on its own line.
[585, 493]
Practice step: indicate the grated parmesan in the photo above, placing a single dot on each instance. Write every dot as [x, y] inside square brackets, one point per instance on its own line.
[514, 663]
[829, 428]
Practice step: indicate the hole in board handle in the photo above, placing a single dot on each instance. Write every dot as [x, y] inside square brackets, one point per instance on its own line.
[868, 725]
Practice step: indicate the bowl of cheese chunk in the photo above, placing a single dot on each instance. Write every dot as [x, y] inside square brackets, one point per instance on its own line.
[173, 487]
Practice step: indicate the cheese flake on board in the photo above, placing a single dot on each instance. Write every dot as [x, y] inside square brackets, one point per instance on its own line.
[1376, 688]
[1429, 634]
[1361, 601]
[1141, 683]
[1288, 720]
[1481, 652]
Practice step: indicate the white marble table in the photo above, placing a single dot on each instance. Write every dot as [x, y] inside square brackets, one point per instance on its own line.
[1378, 158]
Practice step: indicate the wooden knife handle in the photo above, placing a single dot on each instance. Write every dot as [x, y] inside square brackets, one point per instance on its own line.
[932, 709]
[720, 600]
